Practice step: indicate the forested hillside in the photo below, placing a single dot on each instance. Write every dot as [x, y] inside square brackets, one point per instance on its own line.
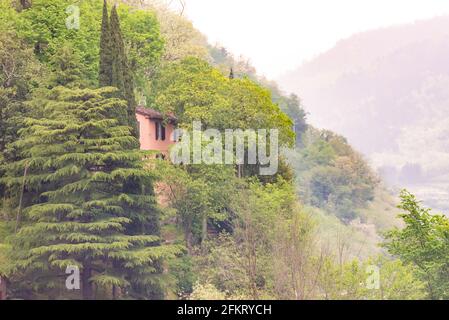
[386, 91]
[76, 191]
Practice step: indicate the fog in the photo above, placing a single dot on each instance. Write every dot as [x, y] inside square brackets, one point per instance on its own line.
[387, 91]
[280, 35]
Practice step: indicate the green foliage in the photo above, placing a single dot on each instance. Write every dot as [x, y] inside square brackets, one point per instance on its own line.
[5, 229]
[105, 68]
[3, 261]
[43, 26]
[10, 112]
[224, 61]
[66, 68]
[291, 106]
[423, 243]
[332, 176]
[195, 91]
[183, 271]
[181, 39]
[274, 253]
[200, 195]
[88, 200]
[240, 264]
[143, 41]
[222, 265]
[206, 292]
[351, 281]
[20, 70]
[19, 76]
[118, 56]
[9, 16]
[82, 195]
[397, 281]
[115, 61]
[239, 68]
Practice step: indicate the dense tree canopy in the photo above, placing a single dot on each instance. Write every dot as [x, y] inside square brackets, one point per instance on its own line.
[115, 69]
[43, 26]
[331, 175]
[75, 191]
[87, 200]
[194, 90]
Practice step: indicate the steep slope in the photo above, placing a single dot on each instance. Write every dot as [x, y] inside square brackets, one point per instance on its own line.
[387, 91]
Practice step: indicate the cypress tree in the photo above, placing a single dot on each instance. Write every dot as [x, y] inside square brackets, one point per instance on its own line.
[121, 72]
[231, 74]
[78, 209]
[118, 52]
[105, 70]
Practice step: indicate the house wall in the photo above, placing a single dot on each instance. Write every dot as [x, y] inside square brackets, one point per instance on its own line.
[148, 135]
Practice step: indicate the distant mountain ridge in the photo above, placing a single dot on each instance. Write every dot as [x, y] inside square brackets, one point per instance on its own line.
[363, 48]
[387, 91]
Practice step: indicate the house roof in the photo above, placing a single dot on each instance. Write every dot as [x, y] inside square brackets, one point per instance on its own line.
[153, 114]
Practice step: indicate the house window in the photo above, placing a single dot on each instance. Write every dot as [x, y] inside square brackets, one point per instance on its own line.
[160, 131]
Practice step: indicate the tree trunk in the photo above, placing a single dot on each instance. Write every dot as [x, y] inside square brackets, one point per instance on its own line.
[26, 4]
[19, 210]
[204, 231]
[188, 236]
[87, 285]
[115, 293]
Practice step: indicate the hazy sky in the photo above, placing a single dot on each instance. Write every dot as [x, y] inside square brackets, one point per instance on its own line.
[278, 35]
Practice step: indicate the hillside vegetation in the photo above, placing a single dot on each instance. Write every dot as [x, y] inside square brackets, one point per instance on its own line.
[76, 191]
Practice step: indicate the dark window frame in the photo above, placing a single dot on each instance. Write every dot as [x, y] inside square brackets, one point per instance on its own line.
[160, 131]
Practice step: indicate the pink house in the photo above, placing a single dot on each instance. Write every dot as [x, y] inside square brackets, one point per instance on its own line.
[156, 134]
[156, 131]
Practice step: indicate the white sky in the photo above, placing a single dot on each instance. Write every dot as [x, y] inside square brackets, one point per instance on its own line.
[279, 35]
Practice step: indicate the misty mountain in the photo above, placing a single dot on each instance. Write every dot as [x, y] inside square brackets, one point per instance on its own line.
[387, 91]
